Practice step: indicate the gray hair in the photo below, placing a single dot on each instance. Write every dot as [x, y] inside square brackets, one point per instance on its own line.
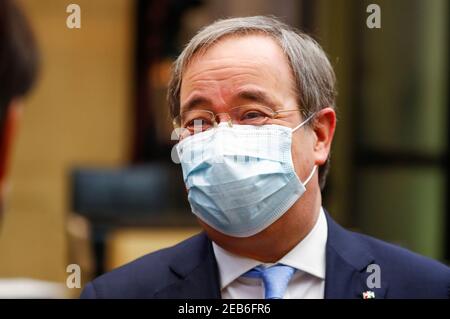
[313, 74]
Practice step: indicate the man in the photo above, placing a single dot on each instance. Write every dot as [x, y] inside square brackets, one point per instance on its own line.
[19, 64]
[18, 70]
[254, 104]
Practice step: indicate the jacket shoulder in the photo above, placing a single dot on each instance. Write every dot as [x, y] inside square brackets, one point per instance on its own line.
[406, 272]
[143, 277]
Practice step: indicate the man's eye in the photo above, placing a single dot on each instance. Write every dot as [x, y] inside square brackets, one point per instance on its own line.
[198, 123]
[252, 115]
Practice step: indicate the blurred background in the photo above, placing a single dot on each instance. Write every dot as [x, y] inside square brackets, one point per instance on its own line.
[92, 182]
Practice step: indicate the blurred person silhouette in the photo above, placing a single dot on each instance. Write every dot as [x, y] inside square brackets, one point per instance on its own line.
[254, 104]
[19, 60]
[19, 64]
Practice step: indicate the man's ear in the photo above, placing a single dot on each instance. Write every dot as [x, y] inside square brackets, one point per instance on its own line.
[324, 127]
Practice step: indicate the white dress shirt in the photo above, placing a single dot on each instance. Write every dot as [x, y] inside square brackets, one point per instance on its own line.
[308, 257]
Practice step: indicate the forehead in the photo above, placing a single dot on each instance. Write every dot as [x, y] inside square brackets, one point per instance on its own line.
[239, 58]
[243, 46]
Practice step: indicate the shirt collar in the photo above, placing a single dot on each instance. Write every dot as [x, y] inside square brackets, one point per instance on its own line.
[308, 256]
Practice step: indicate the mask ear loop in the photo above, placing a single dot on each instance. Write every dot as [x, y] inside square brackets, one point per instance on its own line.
[310, 175]
[315, 166]
[303, 123]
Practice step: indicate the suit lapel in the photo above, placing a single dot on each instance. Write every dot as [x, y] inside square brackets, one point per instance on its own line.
[347, 258]
[196, 274]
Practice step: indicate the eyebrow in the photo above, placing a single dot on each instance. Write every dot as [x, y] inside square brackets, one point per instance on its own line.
[257, 96]
[194, 102]
[253, 95]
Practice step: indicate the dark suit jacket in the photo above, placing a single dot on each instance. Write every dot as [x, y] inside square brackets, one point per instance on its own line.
[189, 270]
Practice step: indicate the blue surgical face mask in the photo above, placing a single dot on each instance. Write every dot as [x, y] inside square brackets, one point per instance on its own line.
[241, 179]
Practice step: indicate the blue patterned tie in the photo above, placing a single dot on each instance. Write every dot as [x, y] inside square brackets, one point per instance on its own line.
[275, 279]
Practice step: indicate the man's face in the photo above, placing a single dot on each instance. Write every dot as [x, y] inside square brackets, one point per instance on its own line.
[7, 133]
[239, 70]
